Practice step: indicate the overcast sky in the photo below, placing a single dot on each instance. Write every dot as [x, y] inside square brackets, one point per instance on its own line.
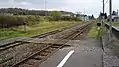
[90, 6]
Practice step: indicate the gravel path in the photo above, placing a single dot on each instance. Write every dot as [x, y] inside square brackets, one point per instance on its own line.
[111, 52]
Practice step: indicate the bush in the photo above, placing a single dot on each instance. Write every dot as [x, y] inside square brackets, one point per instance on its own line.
[68, 18]
[49, 18]
[77, 19]
[56, 15]
[11, 21]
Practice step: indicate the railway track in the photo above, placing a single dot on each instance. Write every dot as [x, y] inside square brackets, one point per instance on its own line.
[39, 56]
[17, 43]
[46, 34]
[52, 32]
[10, 45]
[35, 59]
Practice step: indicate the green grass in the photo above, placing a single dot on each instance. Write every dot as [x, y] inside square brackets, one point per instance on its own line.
[8, 33]
[116, 24]
[42, 27]
[93, 32]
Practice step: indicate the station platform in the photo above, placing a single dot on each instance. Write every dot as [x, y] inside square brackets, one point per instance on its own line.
[81, 54]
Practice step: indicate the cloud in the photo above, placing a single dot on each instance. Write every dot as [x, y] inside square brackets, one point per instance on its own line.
[25, 3]
[90, 6]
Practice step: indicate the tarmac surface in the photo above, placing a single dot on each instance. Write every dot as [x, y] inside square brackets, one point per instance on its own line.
[86, 54]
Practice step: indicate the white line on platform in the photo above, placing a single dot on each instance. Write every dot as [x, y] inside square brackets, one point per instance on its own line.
[65, 59]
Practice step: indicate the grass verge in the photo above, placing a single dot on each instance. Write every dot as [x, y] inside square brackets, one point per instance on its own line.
[93, 32]
[42, 27]
[116, 24]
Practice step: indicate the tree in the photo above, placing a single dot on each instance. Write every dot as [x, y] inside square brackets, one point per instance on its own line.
[20, 11]
[105, 15]
[56, 15]
[114, 13]
[92, 17]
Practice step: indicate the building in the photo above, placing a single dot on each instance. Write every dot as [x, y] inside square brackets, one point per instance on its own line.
[84, 18]
[115, 16]
[66, 15]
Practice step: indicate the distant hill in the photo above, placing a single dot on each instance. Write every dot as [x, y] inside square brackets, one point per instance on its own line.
[20, 11]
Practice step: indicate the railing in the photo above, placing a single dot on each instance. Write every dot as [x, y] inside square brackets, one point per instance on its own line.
[115, 30]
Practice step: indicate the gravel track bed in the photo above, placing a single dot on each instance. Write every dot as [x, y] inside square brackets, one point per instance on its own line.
[13, 55]
[65, 33]
[16, 54]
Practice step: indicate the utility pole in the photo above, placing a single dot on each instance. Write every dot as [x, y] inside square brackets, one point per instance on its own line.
[117, 13]
[103, 16]
[45, 4]
[84, 16]
[12, 3]
[45, 7]
[110, 21]
[103, 6]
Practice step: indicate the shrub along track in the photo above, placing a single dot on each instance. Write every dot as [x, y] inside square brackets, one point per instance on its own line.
[38, 56]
